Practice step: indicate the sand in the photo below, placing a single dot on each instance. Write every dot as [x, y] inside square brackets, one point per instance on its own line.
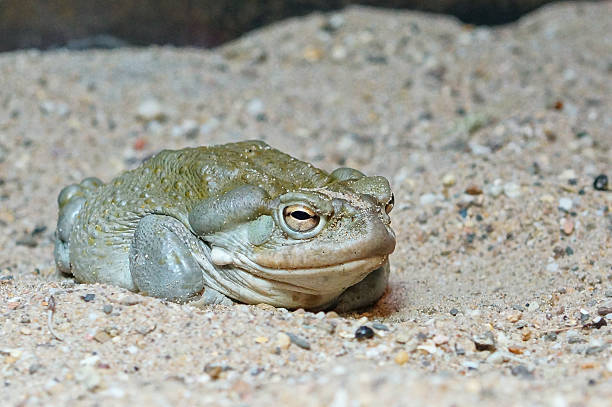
[501, 282]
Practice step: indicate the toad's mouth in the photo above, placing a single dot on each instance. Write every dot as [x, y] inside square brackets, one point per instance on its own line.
[322, 280]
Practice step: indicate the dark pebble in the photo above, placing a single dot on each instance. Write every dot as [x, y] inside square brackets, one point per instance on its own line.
[594, 350]
[521, 370]
[597, 323]
[380, 327]
[35, 367]
[463, 212]
[581, 134]
[88, 297]
[484, 342]
[38, 230]
[454, 311]
[569, 251]
[27, 241]
[601, 182]
[604, 310]
[364, 332]
[551, 336]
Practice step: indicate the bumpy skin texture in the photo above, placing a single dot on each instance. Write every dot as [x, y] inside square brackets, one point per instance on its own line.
[241, 221]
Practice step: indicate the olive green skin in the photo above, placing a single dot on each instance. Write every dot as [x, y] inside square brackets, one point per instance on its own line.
[228, 196]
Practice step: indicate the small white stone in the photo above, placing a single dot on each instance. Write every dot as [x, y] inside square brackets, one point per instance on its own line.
[566, 204]
[255, 107]
[448, 180]
[88, 377]
[188, 128]
[338, 53]
[533, 305]
[497, 358]
[151, 109]
[512, 190]
[428, 199]
[567, 175]
[552, 267]
[495, 189]
[479, 149]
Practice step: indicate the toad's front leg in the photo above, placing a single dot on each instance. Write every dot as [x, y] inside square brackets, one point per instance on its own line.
[165, 262]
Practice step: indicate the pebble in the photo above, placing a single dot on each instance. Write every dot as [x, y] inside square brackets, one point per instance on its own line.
[28, 241]
[552, 267]
[34, 367]
[283, 340]
[454, 311]
[255, 107]
[150, 110]
[470, 364]
[440, 339]
[567, 175]
[88, 297]
[188, 128]
[497, 358]
[339, 53]
[473, 190]
[567, 226]
[515, 317]
[88, 377]
[522, 371]
[566, 204]
[402, 337]
[364, 332]
[533, 306]
[428, 199]
[448, 180]
[101, 336]
[401, 357]
[601, 182]
[484, 342]
[107, 308]
[495, 189]
[605, 309]
[299, 341]
[428, 347]
[380, 327]
[573, 337]
[512, 190]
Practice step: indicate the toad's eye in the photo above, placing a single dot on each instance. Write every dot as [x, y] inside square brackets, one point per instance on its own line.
[300, 218]
[390, 204]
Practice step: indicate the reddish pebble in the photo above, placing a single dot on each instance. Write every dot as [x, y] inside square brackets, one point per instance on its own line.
[473, 190]
[139, 144]
[568, 226]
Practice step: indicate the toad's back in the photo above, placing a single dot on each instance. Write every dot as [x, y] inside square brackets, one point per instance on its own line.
[97, 221]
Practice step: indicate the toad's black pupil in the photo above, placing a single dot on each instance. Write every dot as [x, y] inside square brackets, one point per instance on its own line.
[300, 215]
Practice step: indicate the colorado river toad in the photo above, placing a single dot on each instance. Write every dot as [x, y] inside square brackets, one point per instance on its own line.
[240, 221]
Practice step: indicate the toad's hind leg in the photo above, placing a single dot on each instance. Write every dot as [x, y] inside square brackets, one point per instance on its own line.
[70, 202]
[164, 261]
[366, 292]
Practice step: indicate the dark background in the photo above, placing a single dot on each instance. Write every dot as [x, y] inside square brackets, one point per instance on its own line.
[80, 24]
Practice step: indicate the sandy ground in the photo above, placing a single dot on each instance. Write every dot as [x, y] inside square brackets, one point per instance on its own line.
[492, 138]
